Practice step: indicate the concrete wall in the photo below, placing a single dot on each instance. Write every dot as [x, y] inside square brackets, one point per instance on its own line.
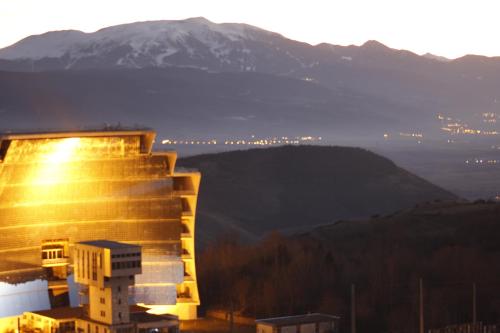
[289, 329]
[261, 328]
[326, 327]
[308, 328]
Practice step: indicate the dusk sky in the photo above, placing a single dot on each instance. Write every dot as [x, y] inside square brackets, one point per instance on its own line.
[445, 27]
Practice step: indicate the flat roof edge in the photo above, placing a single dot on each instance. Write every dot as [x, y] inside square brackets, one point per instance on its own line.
[70, 134]
[147, 135]
[273, 320]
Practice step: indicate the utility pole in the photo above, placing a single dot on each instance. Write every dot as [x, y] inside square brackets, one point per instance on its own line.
[231, 316]
[421, 306]
[353, 308]
[474, 309]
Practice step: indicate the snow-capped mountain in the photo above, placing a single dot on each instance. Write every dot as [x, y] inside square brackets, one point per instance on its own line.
[142, 37]
[194, 42]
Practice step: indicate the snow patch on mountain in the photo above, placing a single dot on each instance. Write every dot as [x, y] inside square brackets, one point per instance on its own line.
[435, 57]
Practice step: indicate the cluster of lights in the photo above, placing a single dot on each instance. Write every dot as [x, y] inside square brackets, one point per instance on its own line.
[462, 129]
[489, 117]
[455, 126]
[249, 142]
[412, 135]
[441, 117]
[416, 135]
[481, 161]
[188, 142]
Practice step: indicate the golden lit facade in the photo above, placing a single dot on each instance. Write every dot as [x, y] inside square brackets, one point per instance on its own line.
[101, 185]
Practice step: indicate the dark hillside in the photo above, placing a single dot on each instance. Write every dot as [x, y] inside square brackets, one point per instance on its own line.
[187, 103]
[449, 245]
[296, 187]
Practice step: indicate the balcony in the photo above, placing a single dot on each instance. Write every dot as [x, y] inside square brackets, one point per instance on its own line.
[188, 278]
[186, 255]
[182, 193]
[55, 262]
[186, 235]
[187, 213]
[58, 284]
[185, 297]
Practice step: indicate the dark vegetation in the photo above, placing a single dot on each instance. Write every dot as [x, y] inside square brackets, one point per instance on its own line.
[449, 245]
[295, 188]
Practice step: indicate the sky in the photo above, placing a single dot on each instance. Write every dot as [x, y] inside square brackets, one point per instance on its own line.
[442, 27]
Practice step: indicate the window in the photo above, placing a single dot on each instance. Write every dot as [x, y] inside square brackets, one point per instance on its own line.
[88, 265]
[103, 300]
[103, 314]
[94, 266]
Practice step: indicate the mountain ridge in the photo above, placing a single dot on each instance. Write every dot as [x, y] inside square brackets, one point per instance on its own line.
[202, 21]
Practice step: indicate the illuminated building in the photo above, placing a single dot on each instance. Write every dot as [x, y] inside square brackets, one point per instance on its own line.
[89, 185]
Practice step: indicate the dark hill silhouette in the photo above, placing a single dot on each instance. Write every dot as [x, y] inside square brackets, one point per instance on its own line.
[450, 245]
[296, 187]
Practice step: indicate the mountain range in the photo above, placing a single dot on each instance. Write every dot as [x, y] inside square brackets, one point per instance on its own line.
[405, 87]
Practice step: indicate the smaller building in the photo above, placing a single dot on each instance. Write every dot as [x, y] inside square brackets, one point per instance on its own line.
[309, 323]
[105, 270]
[66, 320]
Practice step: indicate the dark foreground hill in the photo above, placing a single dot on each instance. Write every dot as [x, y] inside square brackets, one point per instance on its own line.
[293, 188]
[449, 245]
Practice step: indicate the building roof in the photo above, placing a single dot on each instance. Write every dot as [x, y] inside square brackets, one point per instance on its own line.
[138, 314]
[26, 135]
[296, 320]
[134, 308]
[61, 313]
[147, 135]
[144, 317]
[104, 243]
